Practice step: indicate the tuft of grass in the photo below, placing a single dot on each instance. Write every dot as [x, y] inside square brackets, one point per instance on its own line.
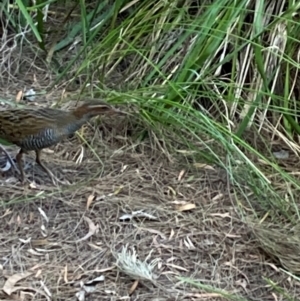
[129, 263]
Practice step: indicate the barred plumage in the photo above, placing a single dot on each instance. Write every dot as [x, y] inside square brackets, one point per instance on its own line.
[35, 129]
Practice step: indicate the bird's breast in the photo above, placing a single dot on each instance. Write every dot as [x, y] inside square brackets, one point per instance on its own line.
[42, 139]
[50, 136]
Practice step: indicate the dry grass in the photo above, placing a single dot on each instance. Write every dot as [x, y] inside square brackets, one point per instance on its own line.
[44, 229]
[64, 238]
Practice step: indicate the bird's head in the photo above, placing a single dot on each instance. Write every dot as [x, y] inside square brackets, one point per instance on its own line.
[94, 108]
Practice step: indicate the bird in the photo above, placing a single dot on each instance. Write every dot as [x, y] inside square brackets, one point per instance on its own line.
[33, 129]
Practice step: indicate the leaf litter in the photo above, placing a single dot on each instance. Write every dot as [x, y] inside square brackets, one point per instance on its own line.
[140, 204]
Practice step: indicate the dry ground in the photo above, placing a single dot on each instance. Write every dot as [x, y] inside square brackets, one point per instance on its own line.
[44, 228]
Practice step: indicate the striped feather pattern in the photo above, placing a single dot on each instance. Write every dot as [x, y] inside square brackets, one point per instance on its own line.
[35, 129]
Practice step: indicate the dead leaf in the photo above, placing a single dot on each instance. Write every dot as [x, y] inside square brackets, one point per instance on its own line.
[124, 167]
[43, 214]
[33, 185]
[44, 231]
[204, 296]
[181, 174]
[95, 246]
[33, 252]
[171, 191]
[92, 229]
[89, 288]
[171, 234]
[66, 274]
[9, 285]
[178, 202]
[80, 295]
[89, 201]
[138, 213]
[118, 190]
[48, 151]
[203, 165]
[275, 296]
[19, 96]
[96, 280]
[186, 152]
[25, 241]
[220, 214]
[186, 207]
[217, 197]
[133, 287]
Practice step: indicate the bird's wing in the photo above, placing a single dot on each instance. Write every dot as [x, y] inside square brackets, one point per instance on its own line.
[16, 125]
